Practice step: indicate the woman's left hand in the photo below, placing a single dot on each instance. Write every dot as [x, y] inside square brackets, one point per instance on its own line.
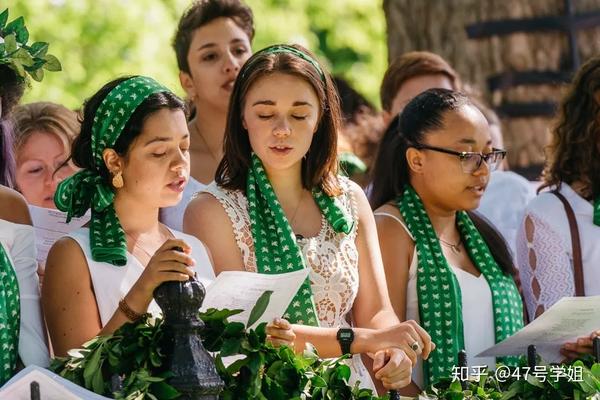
[280, 333]
[393, 368]
[583, 345]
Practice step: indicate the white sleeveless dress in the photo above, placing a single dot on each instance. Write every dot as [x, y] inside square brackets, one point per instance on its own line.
[332, 258]
[477, 312]
[18, 242]
[111, 283]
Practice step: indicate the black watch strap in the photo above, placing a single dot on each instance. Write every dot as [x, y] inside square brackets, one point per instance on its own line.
[345, 337]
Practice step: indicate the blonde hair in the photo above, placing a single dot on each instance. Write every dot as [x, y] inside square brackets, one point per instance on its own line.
[44, 117]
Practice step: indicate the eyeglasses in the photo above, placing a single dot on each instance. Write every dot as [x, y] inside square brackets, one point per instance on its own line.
[470, 161]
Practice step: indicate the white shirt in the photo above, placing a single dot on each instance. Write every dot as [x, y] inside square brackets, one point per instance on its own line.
[504, 202]
[173, 216]
[111, 283]
[545, 255]
[19, 243]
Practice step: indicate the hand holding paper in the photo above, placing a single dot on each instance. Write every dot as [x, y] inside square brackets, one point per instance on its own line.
[237, 290]
[567, 320]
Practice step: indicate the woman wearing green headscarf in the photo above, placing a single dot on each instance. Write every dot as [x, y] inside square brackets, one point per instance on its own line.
[133, 155]
[453, 273]
[278, 206]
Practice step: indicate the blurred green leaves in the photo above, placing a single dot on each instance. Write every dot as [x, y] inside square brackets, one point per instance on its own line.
[98, 40]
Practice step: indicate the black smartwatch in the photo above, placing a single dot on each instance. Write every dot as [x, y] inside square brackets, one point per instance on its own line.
[345, 337]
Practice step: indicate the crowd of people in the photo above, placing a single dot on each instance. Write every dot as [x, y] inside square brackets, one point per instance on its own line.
[419, 240]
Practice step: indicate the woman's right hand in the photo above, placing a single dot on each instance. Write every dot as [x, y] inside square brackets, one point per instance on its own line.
[393, 368]
[404, 336]
[280, 333]
[167, 264]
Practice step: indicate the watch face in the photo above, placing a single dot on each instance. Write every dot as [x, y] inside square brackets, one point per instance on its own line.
[345, 335]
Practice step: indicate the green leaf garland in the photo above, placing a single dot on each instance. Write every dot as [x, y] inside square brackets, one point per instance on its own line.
[22, 58]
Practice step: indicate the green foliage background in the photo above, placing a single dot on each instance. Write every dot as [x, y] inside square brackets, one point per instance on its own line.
[97, 40]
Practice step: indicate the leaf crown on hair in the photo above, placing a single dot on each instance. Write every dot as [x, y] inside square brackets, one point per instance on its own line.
[24, 59]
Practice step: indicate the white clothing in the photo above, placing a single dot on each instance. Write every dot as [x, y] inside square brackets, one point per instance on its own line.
[332, 258]
[503, 204]
[111, 283]
[18, 242]
[545, 257]
[173, 216]
[477, 312]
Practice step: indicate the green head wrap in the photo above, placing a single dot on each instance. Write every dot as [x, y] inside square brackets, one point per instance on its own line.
[87, 188]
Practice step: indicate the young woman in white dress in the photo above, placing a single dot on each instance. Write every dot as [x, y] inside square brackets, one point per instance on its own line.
[449, 269]
[277, 205]
[133, 155]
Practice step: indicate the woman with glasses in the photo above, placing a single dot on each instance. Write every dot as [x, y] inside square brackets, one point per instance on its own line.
[446, 267]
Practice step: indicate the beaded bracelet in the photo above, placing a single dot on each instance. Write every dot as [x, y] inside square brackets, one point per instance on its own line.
[129, 313]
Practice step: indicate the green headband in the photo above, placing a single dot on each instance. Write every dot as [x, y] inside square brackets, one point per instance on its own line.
[87, 188]
[284, 48]
[115, 110]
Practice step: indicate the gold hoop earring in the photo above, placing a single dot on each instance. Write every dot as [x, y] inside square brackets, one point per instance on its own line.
[117, 180]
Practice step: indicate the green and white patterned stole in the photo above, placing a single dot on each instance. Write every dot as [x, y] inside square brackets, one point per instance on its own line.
[10, 317]
[275, 243]
[87, 189]
[438, 291]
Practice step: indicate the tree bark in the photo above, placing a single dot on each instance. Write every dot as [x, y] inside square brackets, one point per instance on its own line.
[439, 26]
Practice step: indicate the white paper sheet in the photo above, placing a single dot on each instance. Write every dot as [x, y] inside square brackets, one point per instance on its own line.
[568, 319]
[52, 386]
[240, 290]
[49, 226]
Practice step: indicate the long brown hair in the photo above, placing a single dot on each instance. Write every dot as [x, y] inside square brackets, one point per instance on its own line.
[319, 166]
[574, 151]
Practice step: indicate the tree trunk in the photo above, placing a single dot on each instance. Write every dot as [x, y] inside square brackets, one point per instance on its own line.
[439, 26]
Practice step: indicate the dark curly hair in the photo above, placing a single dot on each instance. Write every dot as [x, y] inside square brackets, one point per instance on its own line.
[574, 151]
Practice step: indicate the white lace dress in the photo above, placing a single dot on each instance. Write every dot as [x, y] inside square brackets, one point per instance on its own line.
[332, 258]
[544, 251]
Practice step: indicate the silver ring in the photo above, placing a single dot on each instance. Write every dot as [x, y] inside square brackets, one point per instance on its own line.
[415, 346]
